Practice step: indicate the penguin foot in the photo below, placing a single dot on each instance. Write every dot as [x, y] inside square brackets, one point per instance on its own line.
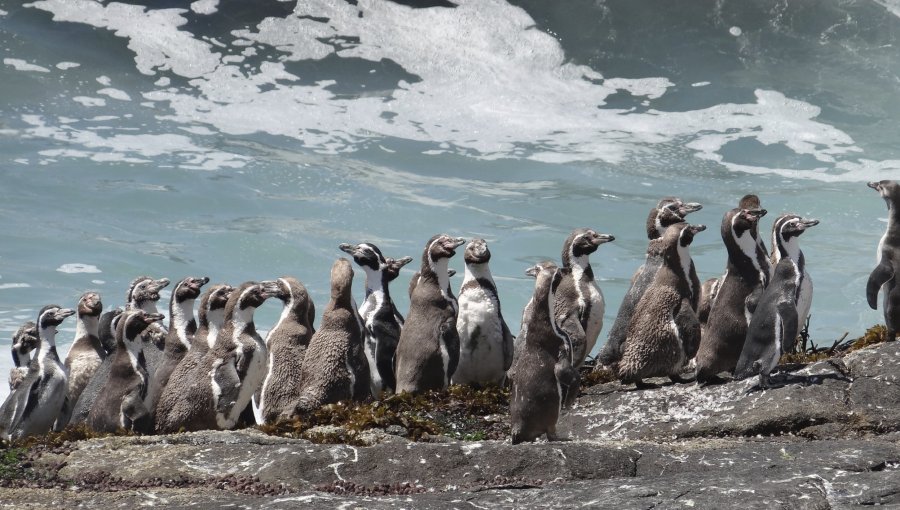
[891, 335]
[641, 385]
[678, 379]
[552, 435]
[711, 380]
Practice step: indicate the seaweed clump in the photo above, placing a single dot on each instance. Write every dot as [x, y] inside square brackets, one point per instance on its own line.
[460, 412]
[808, 352]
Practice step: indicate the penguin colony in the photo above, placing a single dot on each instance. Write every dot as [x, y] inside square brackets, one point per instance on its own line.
[125, 370]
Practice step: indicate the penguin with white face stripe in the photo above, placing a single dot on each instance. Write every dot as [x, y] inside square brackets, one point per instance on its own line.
[428, 349]
[286, 342]
[785, 243]
[24, 340]
[85, 355]
[382, 323]
[143, 294]
[730, 314]
[34, 406]
[664, 332]
[669, 211]
[121, 400]
[884, 277]
[485, 343]
[180, 336]
[776, 321]
[576, 253]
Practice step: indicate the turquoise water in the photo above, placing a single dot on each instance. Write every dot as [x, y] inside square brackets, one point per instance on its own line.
[246, 140]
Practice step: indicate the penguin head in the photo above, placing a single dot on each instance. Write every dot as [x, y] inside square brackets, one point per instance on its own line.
[249, 296]
[682, 234]
[136, 321]
[341, 280]
[669, 211]
[441, 246]
[749, 202]
[90, 305]
[366, 255]
[144, 288]
[789, 225]
[889, 191]
[52, 315]
[217, 296]
[746, 219]
[392, 267]
[582, 242]
[107, 333]
[477, 252]
[24, 340]
[547, 265]
[189, 288]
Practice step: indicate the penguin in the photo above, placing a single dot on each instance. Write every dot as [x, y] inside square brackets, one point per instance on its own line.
[334, 365]
[143, 293]
[664, 332]
[710, 288]
[428, 349]
[106, 330]
[391, 271]
[785, 243]
[85, 355]
[120, 404]
[485, 343]
[33, 407]
[24, 340]
[417, 277]
[730, 314]
[774, 326]
[669, 211]
[539, 372]
[575, 254]
[883, 277]
[381, 320]
[210, 318]
[179, 338]
[286, 342]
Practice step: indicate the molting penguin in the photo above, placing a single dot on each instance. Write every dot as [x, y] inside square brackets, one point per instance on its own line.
[24, 341]
[485, 343]
[33, 407]
[180, 336]
[334, 365]
[575, 254]
[120, 404]
[382, 322]
[775, 323]
[287, 342]
[669, 211]
[428, 350]
[785, 243]
[85, 355]
[730, 313]
[539, 373]
[884, 277]
[107, 335]
[664, 332]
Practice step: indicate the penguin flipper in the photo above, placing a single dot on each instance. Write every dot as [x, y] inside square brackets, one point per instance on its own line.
[136, 413]
[790, 324]
[508, 342]
[226, 377]
[20, 400]
[450, 338]
[882, 274]
[577, 344]
[65, 414]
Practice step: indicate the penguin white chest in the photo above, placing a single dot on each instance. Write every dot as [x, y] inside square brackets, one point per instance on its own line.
[480, 338]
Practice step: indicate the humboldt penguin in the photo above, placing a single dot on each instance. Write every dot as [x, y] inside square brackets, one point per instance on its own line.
[381, 320]
[85, 355]
[334, 365]
[120, 404]
[24, 340]
[669, 211]
[774, 326]
[106, 330]
[664, 332]
[785, 243]
[539, 372]
[485, 343]
[286, 342]
[428, 349]
[210, 318]
[730, 314]
[179, 338]
[576, 253]
[143, 293]
[34, 406]
[883, 277]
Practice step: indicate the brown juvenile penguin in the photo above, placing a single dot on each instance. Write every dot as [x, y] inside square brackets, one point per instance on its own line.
[24, 340]
[334, 365]
[85, 355]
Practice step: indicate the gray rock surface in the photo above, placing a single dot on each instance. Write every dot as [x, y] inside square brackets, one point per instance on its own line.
[827, 440]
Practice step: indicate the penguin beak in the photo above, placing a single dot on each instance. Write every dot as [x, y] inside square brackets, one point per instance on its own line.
[755, 213]
[160, 284]
[154, 317]
[688, 208]
[533, 271]
[62, 313]
[457, 242]
[271, 288]
[451, 272]
[806, 223]
[401, 261]
[603, 238]
[696, 228]
[349, 249]
[874, 185]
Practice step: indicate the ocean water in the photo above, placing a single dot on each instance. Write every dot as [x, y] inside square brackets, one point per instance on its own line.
[246, 140]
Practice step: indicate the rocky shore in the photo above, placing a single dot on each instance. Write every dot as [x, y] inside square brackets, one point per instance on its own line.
[828, 438]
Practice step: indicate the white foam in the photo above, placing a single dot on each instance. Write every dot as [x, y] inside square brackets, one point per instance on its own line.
[77, 267]
[121, 95]
[67, 65]
[89, 101]
[205, 6]
[21, 65]
[98, 282]
[3, 13]
[14, 286]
